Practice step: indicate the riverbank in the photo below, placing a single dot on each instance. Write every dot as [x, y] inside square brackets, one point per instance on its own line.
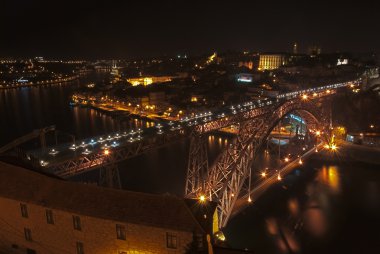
[348, 152]
[40, 83]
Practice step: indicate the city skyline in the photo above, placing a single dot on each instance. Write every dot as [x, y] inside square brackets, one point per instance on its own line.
[124, 30]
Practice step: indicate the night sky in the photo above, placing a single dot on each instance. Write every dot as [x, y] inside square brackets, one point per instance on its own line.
[125, 29]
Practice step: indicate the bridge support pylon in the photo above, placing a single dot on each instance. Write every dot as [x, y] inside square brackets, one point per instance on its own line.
[197, 166]
[109, 176]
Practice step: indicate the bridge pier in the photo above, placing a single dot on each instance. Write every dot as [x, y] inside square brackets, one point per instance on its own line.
[109, 175]
[197, 166]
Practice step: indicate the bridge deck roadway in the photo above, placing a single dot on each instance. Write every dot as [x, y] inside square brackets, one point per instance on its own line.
[264, 185]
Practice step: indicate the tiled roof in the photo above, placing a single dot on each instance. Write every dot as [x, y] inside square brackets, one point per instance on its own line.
[165, 211]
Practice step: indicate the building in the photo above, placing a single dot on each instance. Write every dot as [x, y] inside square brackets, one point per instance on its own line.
[367, 139]
[157, 98]
[295, 48]
[145, 81]
[314, 50]
[41, 214]
[247, 64]
[271, 61]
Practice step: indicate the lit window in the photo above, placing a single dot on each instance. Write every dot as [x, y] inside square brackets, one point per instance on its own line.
[24, 210]
[80, 249]
[171, 240]
[49, 217]
[28, 234]
[77, 223]
[120, 232]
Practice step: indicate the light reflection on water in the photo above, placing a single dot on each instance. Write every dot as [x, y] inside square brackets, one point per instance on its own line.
[331, 178]
[314, 214]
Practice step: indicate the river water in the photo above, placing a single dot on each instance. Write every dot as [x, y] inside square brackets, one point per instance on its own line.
[319, 208]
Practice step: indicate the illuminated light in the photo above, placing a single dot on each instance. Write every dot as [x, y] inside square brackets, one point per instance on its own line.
[318, 133]
[106, 152]
[286, 159]
[263, 174]
[300, 162]
[232, 195]
[279, 177]
[220, 236]
[304, 97]
[333, 147]
[314, 94]
[202, 198]
[249, 199]
[326, 146]
[328, 91]
[316, 150]
[372, 126]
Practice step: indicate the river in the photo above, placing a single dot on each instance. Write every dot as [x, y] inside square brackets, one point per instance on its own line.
[319, 208]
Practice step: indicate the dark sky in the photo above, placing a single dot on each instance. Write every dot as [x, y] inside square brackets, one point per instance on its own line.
[123, 29]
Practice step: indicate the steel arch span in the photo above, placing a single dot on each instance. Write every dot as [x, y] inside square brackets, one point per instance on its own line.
[226, 180]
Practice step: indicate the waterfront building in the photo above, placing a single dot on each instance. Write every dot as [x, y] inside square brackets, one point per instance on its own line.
[145, 81]
[367, 138]
[43, 214]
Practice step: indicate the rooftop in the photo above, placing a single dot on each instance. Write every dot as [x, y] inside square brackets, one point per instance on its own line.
[165, 211]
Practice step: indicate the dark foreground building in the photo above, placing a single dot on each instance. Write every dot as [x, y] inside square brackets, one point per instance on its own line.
[42, 214]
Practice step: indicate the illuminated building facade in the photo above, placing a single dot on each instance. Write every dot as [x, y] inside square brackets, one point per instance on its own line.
[41, 214]
[145, 81]
[271, 61]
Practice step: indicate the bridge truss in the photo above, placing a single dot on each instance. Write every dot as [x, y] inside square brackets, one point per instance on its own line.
[228, 178]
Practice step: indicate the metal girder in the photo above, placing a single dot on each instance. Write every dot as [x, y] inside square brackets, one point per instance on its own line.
[229, 174]
[230, 120]
[197, 166]
[85, 163]
[109, 176]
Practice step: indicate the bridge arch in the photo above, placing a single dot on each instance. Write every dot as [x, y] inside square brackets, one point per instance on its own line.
[226, 179]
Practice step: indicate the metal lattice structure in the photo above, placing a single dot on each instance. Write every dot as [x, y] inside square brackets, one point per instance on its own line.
[228, 177]
[83, 163]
